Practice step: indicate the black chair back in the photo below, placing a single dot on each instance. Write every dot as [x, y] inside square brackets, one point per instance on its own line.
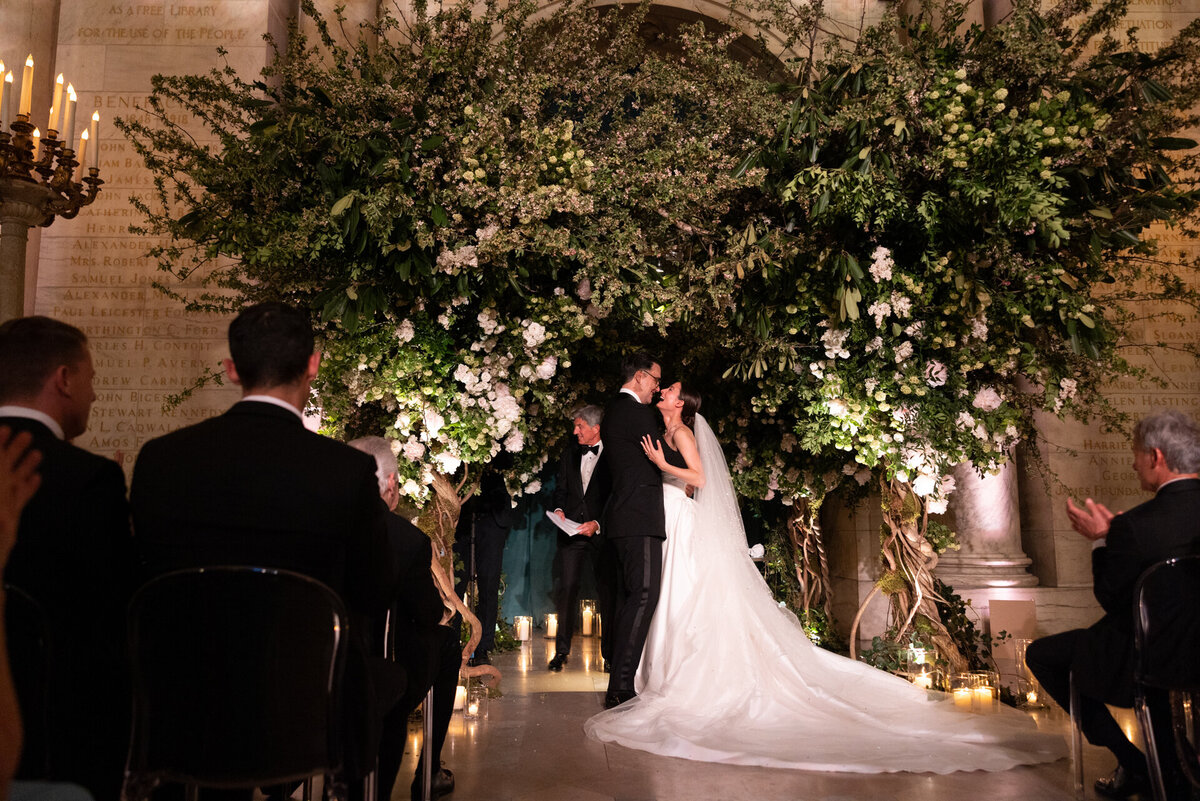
[1167, 625]
[236, 678]
[30, 640]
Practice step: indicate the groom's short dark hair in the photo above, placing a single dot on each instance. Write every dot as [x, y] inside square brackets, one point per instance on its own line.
[635, 362]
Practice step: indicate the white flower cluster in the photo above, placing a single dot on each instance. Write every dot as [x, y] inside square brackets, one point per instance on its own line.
[881, 264]
[404, 331]
[987, 399]
[904, 351]
[535, 334]
[936, 373]
[1067, 389]
[901, 305]
[834, 342]
[879, 310]
[452, 262]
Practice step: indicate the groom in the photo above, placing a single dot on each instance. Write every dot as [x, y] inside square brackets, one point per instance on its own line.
[633, 518]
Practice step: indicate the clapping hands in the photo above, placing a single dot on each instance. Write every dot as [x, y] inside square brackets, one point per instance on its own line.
[1092, 520]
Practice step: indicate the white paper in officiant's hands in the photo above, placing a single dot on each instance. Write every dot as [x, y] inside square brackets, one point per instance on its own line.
[567, 525]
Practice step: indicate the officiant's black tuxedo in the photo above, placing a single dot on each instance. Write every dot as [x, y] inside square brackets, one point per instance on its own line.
[254, 487]
[74, 555]
[1101, 656]
[575, 553]
[634, 522]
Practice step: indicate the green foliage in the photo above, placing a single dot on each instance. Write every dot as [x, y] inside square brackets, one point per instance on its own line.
[464, 213]
[972, 643]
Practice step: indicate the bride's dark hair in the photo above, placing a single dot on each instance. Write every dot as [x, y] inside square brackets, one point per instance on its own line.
[691, 404]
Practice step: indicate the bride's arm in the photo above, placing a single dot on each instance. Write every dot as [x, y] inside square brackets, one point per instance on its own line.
[685, 443]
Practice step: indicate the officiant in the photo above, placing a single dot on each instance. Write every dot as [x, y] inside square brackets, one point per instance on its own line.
[580, 494]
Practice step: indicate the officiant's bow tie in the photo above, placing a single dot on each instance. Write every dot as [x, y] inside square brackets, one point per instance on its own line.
[591, 448]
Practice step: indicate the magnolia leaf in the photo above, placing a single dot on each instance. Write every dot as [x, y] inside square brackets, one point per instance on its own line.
[1086, 320]
[431, 142]
[1069, 280]
[343, 203]
[1101, 212]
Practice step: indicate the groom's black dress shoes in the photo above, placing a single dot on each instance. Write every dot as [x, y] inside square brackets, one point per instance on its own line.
[616, 699]
[556, 664]
[1123, 783]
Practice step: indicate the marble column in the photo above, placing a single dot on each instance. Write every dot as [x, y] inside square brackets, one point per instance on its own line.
[987, 519]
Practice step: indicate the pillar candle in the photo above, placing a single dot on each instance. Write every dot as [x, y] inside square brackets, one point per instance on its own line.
[94, 138]
[37, 138]
[27, 87]
[924, 681]
[587, 622]
[56, 107]
[962, 698]
[68, 130]
[551, 626]
[460, 697]
[83, 142]
[523, 624]
[5, 97]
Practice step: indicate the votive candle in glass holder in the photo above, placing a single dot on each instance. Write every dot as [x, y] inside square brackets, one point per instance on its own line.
[962, 689]
[551, 626]
[477, 702]
[522, 627]
[588, 610]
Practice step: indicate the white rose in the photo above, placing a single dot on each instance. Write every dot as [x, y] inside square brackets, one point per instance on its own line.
[936, 374]
[987, 399]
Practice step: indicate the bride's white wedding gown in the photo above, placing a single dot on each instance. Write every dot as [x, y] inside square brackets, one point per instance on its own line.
[729, 676]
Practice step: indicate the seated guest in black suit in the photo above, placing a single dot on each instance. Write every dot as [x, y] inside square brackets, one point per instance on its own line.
[1166, 457]
[417, 631]
[255, 487]
[579, 495]
[74, 556]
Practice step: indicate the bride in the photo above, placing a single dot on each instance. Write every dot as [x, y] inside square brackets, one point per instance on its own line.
[728, 675]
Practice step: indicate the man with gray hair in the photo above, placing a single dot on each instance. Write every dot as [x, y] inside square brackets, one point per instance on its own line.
[1166, 458]
[579, 495]
[418, 640]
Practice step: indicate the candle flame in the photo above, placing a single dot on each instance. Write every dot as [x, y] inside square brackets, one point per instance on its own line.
[8, 77]
[59, 79]
[37, 133]
[95, 116]
[71, 92]
[29, 60]
[83, 135]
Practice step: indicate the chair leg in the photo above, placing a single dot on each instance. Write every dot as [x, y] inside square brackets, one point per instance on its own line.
[308, 789]
[1143, 717]
[427, 747]
[1076, 741]
[1185, 715]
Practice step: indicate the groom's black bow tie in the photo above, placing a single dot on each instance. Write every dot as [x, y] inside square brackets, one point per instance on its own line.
[591, 448]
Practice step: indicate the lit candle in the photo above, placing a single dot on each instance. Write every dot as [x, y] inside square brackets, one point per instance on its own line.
[587, 622]
[68, 130]
[460, 697]
[983, 699]
[37, 137]
[523, 624]
[27, 87]
[5, 97]
[83, 141]
[551, 625]
[473, 708]
[924, 681]
[95, 140]
[1031, 697]
[962, 698]
[56, 107]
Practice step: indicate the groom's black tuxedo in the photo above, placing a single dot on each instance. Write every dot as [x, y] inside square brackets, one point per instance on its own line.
[634, 523]
[255, 487]
[74, 555]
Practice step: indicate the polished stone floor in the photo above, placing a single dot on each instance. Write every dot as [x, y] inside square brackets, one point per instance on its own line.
[531, 747]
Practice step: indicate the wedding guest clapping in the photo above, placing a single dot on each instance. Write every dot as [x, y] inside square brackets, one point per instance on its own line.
[1166, 458]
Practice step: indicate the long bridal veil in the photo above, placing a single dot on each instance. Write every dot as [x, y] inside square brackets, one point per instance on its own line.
[729, 675]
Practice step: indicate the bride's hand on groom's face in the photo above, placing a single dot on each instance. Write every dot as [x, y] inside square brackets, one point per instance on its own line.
[653, 451]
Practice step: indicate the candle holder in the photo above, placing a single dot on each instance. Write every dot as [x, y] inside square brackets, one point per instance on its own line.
[476, 706]
[587, 609]
[522, 627]
[551, 625]
[37, 184]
